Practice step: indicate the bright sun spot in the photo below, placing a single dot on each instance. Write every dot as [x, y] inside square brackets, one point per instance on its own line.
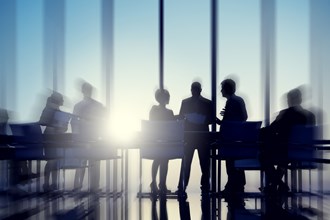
[123, 129]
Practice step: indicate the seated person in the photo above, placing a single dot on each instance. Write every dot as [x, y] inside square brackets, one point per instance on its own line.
[160, 113]
[274, 139]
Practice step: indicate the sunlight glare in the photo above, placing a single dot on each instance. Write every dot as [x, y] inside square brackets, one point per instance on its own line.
[123, 129]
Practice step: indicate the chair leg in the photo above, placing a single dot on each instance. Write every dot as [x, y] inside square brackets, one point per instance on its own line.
[63, 179]
[140, 177]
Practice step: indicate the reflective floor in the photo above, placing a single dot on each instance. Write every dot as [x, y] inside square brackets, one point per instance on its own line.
[121, 200]
[16, 204]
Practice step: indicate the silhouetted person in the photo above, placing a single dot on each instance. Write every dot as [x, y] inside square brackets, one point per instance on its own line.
[19, 169]
[160, 113]
[207, 210]
[86, 123]
[47, 119]
[275, 137]
[197, 112]
[3, 121]
[234, 111]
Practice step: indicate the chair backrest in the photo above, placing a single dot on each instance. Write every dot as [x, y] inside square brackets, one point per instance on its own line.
[162, 131]
[240, 131]
[29, 136]
[61, 119]
[162, 139]
[301, 143]
[29, 133]
[303, 134]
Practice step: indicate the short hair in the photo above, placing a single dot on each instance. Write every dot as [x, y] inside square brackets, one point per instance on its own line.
[196, 85]
[229, 86]
[294, 97]
[162, 95]
[55, 98]
[86, 87]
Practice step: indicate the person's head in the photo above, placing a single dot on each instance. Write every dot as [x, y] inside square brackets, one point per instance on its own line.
[228, 87]
[196, 89]
[56, 99]
[162, 96]
[294, 97]
[87, 89]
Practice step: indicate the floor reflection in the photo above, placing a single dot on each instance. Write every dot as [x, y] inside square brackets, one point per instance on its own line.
[67, 205]
[84, 205]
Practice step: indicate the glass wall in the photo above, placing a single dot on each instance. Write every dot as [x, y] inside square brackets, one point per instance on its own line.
[187, 51]
[83, 49]
[239, 59]
[292, 49]
[187, 58]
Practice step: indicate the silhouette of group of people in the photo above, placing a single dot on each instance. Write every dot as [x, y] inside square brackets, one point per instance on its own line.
[197, 113]
[85, 124]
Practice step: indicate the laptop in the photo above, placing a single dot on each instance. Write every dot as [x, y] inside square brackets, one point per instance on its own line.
[62, 119]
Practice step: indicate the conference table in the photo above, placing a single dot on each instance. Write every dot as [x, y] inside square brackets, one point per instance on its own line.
[62, 147]
[107, 150]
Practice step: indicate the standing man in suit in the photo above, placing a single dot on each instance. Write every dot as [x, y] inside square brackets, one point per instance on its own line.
[234, 110]
[88, 115]
[197, 112]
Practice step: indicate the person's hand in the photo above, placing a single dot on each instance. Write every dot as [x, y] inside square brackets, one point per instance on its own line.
[222, 113]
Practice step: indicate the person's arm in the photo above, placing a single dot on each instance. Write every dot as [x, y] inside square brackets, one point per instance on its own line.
[46, 117]
[244, 112]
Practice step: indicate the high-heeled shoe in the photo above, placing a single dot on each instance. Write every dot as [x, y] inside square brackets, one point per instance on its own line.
[153, 188]
[163, 190]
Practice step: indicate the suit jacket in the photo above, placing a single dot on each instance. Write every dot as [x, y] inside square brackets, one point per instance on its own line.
[235, 109]
[288, 118]
[196, 107]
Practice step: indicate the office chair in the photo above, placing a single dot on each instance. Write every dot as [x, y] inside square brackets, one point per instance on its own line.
[161, 140]
[28, 143]
[238, 141]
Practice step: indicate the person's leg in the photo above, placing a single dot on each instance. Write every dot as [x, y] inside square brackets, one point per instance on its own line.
[54, 173]
[270, 172]
[267, 158]
[47, 175]
[280, 172]
[79, 178]
[240, 180]
[24, 168]
[82, 172]
[230, 169]
[76, 179]
[204, 162]
[95, 175]
[162, 175]
[185, 167]
[15, 173]
[154, 170]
